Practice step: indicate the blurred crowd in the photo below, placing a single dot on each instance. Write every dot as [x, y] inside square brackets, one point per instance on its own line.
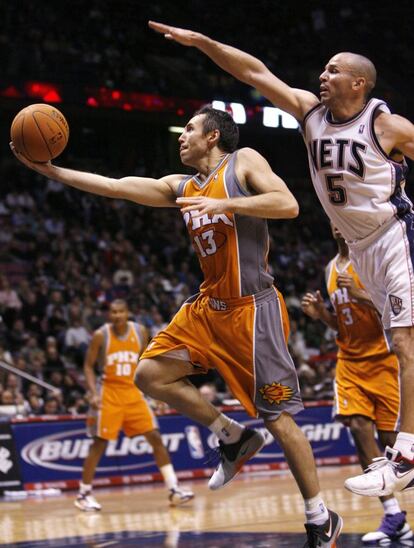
[65, 255]
[109, 43]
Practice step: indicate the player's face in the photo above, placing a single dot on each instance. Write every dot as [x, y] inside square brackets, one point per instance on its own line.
[336, 80]
[193, 142]
[118, 314]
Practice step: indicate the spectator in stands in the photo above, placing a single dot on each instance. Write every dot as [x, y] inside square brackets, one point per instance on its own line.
[123, 275]
[78, 405]
[210, 393]
[35, 404]
[10, 304]
[158, 323]
[77, 339]
[7, 397]
[54, 361]
[52, 406]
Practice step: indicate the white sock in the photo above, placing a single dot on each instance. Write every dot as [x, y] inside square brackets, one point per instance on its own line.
[227, 430]
[391, 506]
[405, 445]
[85, 488]
[168, 473]
[315, 510]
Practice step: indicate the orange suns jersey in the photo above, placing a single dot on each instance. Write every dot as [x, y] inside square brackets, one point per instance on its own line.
[360, 332]
[118, 357]
[232, 249]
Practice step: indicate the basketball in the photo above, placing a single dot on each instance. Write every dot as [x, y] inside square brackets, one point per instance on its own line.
[40, 132]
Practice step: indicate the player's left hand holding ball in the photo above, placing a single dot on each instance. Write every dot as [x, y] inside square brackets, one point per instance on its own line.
[42, 168]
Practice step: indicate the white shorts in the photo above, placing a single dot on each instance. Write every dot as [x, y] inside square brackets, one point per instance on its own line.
[385, 266]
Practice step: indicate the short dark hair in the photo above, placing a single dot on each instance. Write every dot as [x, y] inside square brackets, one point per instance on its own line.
[221, 120]
[120, 302]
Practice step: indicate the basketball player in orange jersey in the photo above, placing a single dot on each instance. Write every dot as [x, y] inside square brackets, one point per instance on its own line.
[115, 402]
[367, 392]
[356, 151]
[238, 322]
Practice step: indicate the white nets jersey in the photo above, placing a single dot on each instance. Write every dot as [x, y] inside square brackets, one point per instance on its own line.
[358, 185]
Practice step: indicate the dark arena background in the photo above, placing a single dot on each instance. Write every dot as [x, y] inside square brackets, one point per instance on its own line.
[65, 255]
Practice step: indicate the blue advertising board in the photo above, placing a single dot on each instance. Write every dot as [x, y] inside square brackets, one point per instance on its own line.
[54, 451]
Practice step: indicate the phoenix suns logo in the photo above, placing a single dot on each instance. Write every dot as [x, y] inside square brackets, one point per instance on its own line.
[275, 393]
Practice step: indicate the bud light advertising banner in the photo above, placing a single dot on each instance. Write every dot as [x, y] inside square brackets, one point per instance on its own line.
[9, 466]
[51, 453]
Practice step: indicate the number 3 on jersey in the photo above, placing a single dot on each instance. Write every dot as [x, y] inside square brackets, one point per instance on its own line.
[205, 243]
[348, 316]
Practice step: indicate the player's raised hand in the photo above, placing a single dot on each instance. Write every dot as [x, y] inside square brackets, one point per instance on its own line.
[203, 205]
[312, 305]
[346, 280]
[182, 36]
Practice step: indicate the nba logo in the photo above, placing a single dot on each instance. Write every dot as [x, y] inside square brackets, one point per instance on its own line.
[361, 128]
[195, 445]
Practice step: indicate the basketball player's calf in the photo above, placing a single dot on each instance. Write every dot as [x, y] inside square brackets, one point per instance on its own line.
[323, 526]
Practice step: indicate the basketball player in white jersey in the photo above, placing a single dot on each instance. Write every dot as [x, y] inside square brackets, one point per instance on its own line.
[356, 152]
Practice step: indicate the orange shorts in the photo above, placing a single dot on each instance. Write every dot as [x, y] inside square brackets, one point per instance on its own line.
[121, 409]
[370, 388]
[245, 340]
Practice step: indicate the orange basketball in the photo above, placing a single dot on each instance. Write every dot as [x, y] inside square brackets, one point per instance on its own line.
[40, 132]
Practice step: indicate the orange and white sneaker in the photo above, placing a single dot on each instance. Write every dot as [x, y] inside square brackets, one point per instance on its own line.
[87, 503]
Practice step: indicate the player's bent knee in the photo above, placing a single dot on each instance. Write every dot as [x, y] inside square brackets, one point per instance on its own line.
[142, 378]
[360, 426]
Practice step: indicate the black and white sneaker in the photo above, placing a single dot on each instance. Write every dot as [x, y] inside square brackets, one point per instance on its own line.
[179, 496]
[325, 535]
[234, 455]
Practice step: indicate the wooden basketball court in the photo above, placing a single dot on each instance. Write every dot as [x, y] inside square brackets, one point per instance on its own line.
[260, 510]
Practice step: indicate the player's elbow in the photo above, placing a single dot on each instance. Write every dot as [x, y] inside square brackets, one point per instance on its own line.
[292, 209]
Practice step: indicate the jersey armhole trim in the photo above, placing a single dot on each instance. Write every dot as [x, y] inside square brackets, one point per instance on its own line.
[309, 114]
[372, 132]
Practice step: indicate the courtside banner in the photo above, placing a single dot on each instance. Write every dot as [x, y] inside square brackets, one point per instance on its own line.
[51, 452]
[9, 466]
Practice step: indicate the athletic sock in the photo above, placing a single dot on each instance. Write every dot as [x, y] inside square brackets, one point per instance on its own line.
[405, 445]
[168, 474]
[315, 510]
[227, 430]
[85, 488]
[391, 506]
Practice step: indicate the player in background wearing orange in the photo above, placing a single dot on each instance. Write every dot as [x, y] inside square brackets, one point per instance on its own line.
[367, 391]
[238, 322]
[356, 150]
[116, 403]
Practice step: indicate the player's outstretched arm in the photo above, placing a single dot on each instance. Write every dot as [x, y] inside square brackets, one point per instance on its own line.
[142, 190]
[244, 67]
